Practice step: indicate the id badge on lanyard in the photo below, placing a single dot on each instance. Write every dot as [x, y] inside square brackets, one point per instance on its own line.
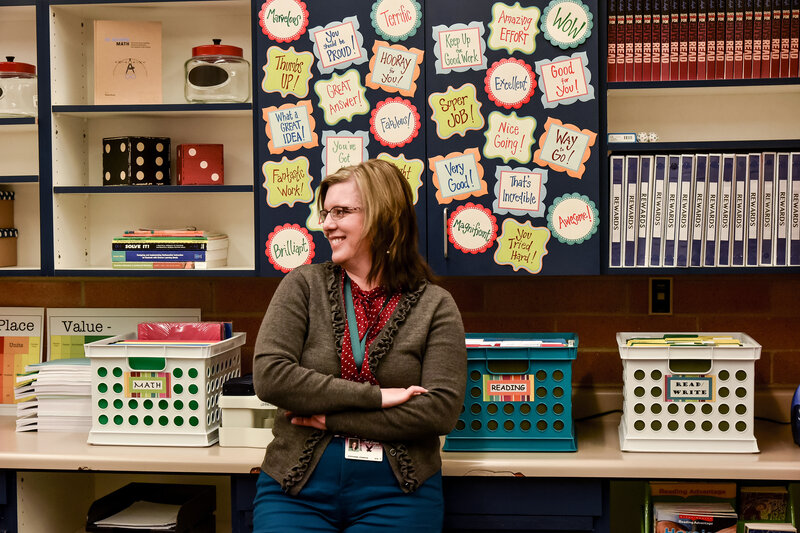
[363, 449]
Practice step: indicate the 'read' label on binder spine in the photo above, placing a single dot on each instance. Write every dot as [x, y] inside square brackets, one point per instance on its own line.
[758, 18]
[748, 40]
[794, 41]
[702, 35]
[738, 41]
[647, 40]
[692, 40]
[683, 45]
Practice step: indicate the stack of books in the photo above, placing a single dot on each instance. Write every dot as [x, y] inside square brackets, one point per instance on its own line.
[60, 396]
[186, 248]
[694, 517]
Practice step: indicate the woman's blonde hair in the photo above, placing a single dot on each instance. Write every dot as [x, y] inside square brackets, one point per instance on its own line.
[390, 222]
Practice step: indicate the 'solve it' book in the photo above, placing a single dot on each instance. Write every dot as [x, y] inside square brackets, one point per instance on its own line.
[753, 220]
[725, 211]
[644, 200]
[631, 226]
[127, 62]
[617, 163]
[782, 209]
[671, 212]
[712, 209]
[739, 230]
[768, 187]
[659, 204]
[685, 210]
[794, 217]
[699, 210]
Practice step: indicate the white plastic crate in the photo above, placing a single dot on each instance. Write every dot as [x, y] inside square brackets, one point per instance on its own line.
[688, 398]
[159, 394]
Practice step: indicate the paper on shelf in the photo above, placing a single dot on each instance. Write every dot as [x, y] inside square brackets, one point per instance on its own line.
[143, 515]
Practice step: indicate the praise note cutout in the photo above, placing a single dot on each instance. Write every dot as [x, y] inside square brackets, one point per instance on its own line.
[312, 222]
[283, 20]
[287, 181]
[338, 45]
[394, 68]
[290, 127]
[342, 97]
[343, 149]
[287, 72]
[288, 247]
[567, 23]
[509, 137]
[456, 111]
[564, 147]
[521, 246]
[510, 83]
[472, 228]
[396, 20]
[514, 28]
[573, 218]
[520, 191]
[565, 80]
[411, 169]
[394, 122]
[459, 47]
[458, 175]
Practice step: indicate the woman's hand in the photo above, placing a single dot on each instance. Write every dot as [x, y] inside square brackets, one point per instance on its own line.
[313, 421]
[398, 396]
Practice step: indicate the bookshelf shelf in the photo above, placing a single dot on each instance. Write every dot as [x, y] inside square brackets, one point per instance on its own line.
[19, 179]
[155, 189]
[26, 121]
[705, 146]
[711, 85]
[159, 110]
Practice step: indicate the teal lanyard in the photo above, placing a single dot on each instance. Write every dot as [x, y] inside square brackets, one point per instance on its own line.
[359, 346]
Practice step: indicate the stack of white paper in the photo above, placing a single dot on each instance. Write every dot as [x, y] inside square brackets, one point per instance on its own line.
[143, 515]
[60, 397]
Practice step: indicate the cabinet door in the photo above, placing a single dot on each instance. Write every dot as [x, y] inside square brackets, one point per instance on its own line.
[513, 175]
[338, 83]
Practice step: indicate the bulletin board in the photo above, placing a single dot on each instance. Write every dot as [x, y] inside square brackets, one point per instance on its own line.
[489, 110]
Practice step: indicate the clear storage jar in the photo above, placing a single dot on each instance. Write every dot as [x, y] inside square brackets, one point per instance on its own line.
[217, 73]
[18, 97]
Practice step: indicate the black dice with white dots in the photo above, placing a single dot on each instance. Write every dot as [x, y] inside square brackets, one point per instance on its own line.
[136, 161]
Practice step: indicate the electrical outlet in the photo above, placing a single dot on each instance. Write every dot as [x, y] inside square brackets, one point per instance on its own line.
[660, 296]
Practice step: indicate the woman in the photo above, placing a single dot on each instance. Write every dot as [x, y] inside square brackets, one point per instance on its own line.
[362, 347]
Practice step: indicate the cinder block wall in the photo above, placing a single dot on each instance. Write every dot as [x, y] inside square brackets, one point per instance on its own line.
[764, 305]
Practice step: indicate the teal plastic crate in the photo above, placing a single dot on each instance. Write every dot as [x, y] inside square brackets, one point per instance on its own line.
[519, 395]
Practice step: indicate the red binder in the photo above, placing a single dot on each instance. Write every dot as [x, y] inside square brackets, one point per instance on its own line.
[666, 44]
[721, 23]
[766, 38]
[655, 37]
[629, 39]
[674, 39]
[775, 55]
[621, 40]
[794, 41]
[692, 57]
[647, 40]
[683, 46]
[638, 39]
[758, 17]
[738, 41]
[702, 21]
[786, 30]
[748, 40]
[730, 38]
[611, 42]
[711, 40]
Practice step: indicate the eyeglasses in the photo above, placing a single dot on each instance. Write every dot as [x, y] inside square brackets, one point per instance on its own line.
[336, 213]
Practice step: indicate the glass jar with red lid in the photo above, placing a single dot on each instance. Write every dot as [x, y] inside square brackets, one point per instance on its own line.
[217, 73]
[18, 96]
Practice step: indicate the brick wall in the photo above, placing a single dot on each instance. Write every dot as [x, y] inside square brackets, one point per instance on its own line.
[766, 306]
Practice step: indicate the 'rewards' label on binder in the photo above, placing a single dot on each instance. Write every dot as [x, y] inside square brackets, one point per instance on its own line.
[689, 388]
[508, 388]
[147, 384]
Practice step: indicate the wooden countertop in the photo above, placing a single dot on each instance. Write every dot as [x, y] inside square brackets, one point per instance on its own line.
[598, 456]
